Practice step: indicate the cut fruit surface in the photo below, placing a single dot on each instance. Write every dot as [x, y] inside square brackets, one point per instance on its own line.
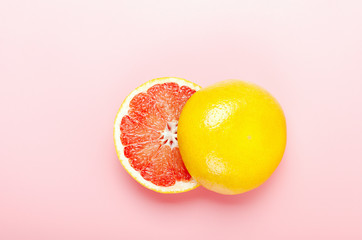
[145, 134]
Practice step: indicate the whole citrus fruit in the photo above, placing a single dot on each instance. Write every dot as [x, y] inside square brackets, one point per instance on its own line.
[232, 136]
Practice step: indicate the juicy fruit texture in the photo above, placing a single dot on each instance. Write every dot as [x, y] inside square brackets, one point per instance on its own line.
[146, 142]
[146, 147]
[232, 136]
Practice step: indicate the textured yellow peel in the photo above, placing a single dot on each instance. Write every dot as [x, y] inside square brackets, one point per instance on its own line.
[232, 136]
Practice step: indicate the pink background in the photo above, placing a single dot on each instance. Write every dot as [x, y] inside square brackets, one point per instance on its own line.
[67, 65]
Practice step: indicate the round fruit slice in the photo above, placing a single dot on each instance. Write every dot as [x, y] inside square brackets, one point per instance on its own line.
[145, 134]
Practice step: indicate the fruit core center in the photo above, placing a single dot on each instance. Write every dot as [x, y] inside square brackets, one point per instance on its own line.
[169, 135]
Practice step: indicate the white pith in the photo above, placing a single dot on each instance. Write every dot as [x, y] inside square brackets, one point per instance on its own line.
[168, 135]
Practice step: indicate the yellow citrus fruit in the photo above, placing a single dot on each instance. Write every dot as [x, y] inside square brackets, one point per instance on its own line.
[231, 136]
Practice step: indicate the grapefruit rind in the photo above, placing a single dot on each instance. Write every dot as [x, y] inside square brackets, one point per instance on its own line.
[179, 186]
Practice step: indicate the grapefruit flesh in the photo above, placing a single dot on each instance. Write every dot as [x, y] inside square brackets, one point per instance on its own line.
[146, 142]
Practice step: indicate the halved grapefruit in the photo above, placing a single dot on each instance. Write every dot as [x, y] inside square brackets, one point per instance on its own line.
[145, 134]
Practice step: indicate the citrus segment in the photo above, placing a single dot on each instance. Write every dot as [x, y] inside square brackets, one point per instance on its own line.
[143, 109]
[159, 171]
[179, 166]
[139, 154]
